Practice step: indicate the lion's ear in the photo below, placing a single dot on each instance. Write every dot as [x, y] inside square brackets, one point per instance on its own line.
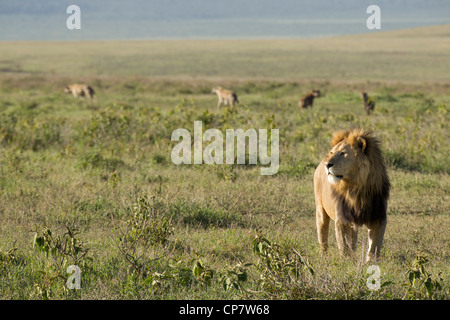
[361, 143]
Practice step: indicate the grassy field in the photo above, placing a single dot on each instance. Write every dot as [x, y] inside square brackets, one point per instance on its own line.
[92, 184]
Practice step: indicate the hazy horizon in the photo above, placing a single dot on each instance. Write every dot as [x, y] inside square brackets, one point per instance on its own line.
[200, 19]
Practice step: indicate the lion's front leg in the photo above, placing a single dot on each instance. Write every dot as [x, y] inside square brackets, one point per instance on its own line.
[340, 231]
[346, 237]
[376, 234]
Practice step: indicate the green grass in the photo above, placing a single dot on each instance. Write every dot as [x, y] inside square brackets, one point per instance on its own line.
[417, 55]
[88, 164]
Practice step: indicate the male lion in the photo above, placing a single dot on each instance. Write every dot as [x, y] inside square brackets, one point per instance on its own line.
[225, 96]
[308, 99]
[80, 90]
[351, 186]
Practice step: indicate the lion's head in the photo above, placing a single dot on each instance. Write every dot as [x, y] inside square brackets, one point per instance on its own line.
[356, 170]
[347, 159]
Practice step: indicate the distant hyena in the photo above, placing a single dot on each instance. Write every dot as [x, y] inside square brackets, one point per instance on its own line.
[308, 99]
[225, 96]
[369, 103]
[80, 90]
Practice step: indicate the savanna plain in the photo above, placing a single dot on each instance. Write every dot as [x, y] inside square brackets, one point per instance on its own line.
[91, 183]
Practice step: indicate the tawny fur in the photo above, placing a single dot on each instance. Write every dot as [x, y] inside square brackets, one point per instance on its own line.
[225, 96]
[352, 187]
[80, 90]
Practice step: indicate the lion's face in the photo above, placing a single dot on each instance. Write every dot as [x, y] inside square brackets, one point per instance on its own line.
[345, 162]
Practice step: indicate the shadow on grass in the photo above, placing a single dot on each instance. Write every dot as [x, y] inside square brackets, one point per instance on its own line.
[203, 215]
[412, 163]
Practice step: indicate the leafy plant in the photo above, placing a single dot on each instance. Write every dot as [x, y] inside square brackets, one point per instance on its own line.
[147, 227]
[61, 247]
[202, 272]
[281, 270]
[422, 284]
[64, 249]
[235, 277]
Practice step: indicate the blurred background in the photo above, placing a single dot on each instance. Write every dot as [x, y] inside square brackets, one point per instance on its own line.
[209, 19]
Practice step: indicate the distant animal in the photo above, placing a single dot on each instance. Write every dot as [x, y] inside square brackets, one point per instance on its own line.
[369, 103]
[351, 187]
[225, 96]
[80, 90]
[308, 99]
